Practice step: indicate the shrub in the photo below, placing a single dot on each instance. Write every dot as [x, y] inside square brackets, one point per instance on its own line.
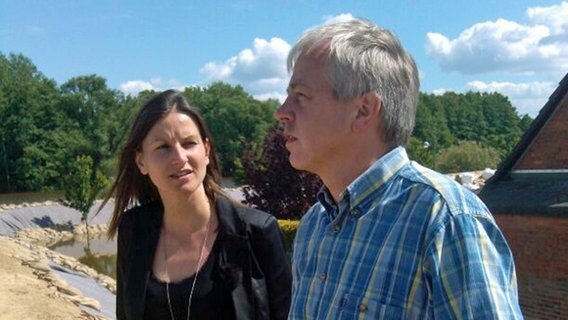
[272, 184]
[289, 228]
[82, 185]
[421, 152]
[467, 156]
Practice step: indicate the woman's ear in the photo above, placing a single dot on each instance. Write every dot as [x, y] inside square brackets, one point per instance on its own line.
[140, 163]
[207, 145]
[368, 111]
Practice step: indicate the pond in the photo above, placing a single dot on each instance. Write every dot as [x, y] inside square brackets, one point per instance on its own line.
[29, 197]
[100, 253]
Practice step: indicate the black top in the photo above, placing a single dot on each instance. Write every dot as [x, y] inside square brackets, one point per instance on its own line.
[211, 300]
[252, 263]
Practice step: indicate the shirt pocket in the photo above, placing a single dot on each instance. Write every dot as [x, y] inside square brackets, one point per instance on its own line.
[351, 308]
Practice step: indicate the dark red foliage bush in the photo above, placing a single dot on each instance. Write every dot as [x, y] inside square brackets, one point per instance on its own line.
[272, 184]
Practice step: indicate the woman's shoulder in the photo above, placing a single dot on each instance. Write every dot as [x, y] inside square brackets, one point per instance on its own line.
[140, 213]
[248, 215]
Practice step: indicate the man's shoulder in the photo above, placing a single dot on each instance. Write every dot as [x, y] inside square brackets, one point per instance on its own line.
[457, 198]
[314, 211]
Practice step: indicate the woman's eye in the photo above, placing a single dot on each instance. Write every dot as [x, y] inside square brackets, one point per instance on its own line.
[189, 144]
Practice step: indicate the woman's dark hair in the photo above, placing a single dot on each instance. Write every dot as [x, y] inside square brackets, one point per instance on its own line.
[133, 188]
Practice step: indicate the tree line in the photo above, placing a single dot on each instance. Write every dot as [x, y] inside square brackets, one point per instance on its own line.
[48, 129]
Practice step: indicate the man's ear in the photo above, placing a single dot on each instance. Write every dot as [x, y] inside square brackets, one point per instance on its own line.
[368, 111]
[140, 163]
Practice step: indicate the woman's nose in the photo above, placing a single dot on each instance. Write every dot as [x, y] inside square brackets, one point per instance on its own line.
[178, 155]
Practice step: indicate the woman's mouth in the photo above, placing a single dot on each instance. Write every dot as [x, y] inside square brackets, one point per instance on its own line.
[181, 174]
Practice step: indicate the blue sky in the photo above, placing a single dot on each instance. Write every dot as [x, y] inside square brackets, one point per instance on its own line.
[516, 47]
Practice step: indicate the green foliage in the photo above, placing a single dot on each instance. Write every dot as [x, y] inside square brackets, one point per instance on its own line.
[27, 100]
[488, 118]
[420, 152]
[234, 118]
[82, 185]
[289, 228]
[45, 127]
[466, 156]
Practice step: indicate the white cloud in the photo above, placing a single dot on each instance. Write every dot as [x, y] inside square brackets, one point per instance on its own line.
[441, 91]
[271, 95]
[135, 86]
[339, 18]
[261, 70]
[556, 17]
[527, 98]
[540, 46]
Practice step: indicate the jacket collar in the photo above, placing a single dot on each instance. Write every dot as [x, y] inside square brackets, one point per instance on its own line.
[234, 262]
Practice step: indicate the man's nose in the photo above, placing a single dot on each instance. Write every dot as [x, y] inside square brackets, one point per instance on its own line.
[283, 113]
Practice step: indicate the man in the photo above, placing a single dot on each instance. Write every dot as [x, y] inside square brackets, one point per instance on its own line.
[388, 238]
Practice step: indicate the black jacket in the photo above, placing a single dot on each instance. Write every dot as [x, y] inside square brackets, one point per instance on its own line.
[252, 260]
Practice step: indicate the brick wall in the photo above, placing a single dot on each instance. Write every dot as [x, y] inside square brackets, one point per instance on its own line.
[540, 249]
[549, 149]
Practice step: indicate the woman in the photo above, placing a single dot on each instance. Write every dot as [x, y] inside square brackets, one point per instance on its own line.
[185, 251]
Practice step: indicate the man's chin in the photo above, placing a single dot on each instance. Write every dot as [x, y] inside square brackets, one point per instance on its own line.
[297, 163]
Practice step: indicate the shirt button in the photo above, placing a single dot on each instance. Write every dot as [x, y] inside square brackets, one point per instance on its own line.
[336, 228]
[323, 276]
[355, 212]
[363, 307]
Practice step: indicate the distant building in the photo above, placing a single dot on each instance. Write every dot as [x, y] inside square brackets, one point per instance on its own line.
[528, 195]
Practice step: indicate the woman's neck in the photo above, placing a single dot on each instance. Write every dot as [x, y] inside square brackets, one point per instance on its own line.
[186, 215]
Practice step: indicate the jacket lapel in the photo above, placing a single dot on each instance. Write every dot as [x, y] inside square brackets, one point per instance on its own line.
[234, 262]
[141, 258]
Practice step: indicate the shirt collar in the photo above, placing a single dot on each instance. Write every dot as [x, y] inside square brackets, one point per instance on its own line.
[370, 180]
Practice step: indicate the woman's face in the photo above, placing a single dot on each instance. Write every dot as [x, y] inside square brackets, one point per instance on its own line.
[174, 155]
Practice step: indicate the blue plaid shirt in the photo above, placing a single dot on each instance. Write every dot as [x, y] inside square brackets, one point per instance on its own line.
[404, 242]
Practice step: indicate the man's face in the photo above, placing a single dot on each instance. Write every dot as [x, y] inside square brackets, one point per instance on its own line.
[316, 124]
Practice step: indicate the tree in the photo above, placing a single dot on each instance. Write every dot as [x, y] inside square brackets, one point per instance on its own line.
[466, 156]
[27, 98]
[234, 118]
[273, 185]
[421, 152]
[82, 186]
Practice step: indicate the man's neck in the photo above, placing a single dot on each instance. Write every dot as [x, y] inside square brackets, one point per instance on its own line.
[341, 174]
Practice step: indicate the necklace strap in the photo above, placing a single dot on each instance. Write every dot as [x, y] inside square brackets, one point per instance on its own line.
[199, 261]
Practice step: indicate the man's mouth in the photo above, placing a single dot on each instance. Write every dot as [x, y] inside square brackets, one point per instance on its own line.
[289, 138]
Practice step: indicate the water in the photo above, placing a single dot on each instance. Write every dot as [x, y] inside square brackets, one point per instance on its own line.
[29, 197]
[99, 253]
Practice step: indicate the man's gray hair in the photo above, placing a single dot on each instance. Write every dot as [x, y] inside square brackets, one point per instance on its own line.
[361, 58]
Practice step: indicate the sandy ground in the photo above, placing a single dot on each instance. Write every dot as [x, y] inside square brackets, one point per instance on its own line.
[25, 296]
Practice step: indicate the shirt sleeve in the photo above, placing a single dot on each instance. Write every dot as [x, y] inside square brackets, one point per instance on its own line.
[470, 270]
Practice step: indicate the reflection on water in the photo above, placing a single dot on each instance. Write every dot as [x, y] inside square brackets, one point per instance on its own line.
[98, 253]
[29, 197]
